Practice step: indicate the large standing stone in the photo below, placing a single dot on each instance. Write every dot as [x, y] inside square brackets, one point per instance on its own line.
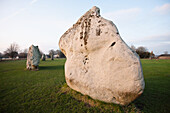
[33, 58]
[99, 63]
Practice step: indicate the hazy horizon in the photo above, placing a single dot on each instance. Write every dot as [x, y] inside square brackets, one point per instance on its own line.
[140, 23]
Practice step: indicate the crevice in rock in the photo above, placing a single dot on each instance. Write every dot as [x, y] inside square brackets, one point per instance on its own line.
[85, 28]
[114, 99]
[113, 44]
[81, 35]
[85, 61]
[98, 32]
[86, 71]
[135, 62]
[71, 80]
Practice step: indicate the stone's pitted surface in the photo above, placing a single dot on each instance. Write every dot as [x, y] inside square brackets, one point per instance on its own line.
[43, 57]
[33, 58]
[99, 63]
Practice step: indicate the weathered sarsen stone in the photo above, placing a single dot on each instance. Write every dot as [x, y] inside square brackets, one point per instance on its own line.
[33, 58]
[99, 63]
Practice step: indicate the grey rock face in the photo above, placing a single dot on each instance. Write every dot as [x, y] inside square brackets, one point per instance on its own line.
[33, 58]
[99, 63]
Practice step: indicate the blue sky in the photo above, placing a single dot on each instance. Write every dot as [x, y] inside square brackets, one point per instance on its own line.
[42, 22]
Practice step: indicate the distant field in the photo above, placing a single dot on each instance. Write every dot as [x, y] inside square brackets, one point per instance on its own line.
[45, 90]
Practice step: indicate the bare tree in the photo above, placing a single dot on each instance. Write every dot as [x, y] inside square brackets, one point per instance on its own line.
[165, 52]
[133, 47]
[25, 51]
[23, 54]
[143, 52]
[61, 55]
[141, 49]
[12, 50]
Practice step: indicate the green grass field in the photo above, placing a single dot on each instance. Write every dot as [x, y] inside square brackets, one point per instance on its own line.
[46, 91]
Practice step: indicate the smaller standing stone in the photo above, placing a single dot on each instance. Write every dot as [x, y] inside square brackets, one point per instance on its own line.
[52, 56]
[43, 57]
[51, 53]
[33, 58]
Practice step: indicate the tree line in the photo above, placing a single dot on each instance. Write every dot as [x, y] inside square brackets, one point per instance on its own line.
[13, 51]
[142, 52]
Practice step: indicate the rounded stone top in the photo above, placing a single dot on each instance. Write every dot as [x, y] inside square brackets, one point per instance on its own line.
[95, 10]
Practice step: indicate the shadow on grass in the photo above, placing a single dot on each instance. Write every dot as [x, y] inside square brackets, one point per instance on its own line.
[51, 67]
[155, 96]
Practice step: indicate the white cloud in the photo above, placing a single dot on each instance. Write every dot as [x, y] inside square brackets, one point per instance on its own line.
[16, 13]
[127, 11]
[12, 15]
[124, 13]
[159, 38]
[164, 9]
[33, 1]
[167, 42]
[157, 43]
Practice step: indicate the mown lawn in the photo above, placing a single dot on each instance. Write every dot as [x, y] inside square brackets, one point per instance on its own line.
[46, 91]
